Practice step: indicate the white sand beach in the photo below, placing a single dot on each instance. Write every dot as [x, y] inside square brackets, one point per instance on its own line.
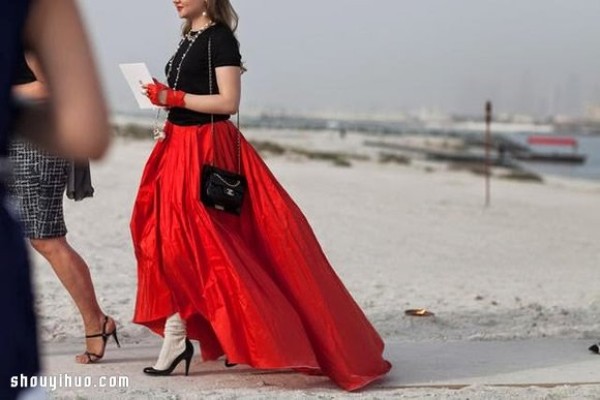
[399, 236]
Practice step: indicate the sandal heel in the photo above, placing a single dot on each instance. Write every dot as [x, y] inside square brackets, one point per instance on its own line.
[93, 357]
[114, 335]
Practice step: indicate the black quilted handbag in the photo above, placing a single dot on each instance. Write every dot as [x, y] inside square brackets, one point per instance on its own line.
[222, 189]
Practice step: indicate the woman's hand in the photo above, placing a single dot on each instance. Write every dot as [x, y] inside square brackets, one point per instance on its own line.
[163, 96]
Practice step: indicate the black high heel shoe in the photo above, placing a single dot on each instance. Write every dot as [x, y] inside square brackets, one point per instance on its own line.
[186, 355]
[228, 364]
[93, 357]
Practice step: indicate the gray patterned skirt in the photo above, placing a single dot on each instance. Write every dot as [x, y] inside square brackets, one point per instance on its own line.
[38, 185]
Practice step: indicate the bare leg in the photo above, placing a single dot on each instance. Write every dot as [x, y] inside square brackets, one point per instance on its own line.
[75, 276]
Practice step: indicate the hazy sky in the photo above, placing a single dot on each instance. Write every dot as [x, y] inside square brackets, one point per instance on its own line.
[383, 56]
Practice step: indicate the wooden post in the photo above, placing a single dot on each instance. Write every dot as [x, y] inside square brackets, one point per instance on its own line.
[488, 145]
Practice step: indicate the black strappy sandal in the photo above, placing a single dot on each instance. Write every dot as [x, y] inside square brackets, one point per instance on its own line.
[104, 335]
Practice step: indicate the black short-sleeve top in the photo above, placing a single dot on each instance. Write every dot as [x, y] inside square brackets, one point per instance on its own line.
[194, 73]
[24, 73]
[12, 17]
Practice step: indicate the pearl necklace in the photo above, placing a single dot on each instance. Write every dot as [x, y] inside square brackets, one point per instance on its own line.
[192, 34]
[191, 39]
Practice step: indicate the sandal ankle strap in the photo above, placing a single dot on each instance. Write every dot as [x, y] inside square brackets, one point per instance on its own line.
[103, 334]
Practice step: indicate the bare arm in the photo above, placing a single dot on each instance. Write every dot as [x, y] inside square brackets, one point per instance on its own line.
[228, 99]
[56, 35]
[34, 90]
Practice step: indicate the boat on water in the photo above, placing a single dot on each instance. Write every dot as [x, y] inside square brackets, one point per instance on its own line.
[573, 157]
[504, 151]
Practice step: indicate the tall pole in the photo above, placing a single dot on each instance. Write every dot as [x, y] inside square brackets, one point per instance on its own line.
[488, 145]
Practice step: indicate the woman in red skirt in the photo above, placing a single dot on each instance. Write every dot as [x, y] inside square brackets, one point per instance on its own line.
[255, 287]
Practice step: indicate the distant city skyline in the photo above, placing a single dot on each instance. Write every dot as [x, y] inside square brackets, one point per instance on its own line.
[539, 57]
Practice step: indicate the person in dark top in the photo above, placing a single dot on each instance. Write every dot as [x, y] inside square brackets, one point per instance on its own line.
[38, 185]
[86, 136]
[24, 75]
[255, 287]
[18, 340]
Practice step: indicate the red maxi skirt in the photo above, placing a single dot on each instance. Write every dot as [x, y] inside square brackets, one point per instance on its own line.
[256, 287]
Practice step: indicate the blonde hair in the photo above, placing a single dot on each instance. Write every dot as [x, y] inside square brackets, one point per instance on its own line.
[219, 11]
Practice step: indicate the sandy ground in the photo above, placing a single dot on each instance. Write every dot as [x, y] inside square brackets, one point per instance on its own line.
[400, 236]
[532, 368]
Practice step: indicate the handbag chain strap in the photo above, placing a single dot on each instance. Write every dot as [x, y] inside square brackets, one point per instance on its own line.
[212, 116]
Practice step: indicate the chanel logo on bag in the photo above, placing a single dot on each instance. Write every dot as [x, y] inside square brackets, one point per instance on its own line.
[221, 189]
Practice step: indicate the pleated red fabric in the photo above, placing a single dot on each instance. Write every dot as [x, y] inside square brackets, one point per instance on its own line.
[255, 287]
